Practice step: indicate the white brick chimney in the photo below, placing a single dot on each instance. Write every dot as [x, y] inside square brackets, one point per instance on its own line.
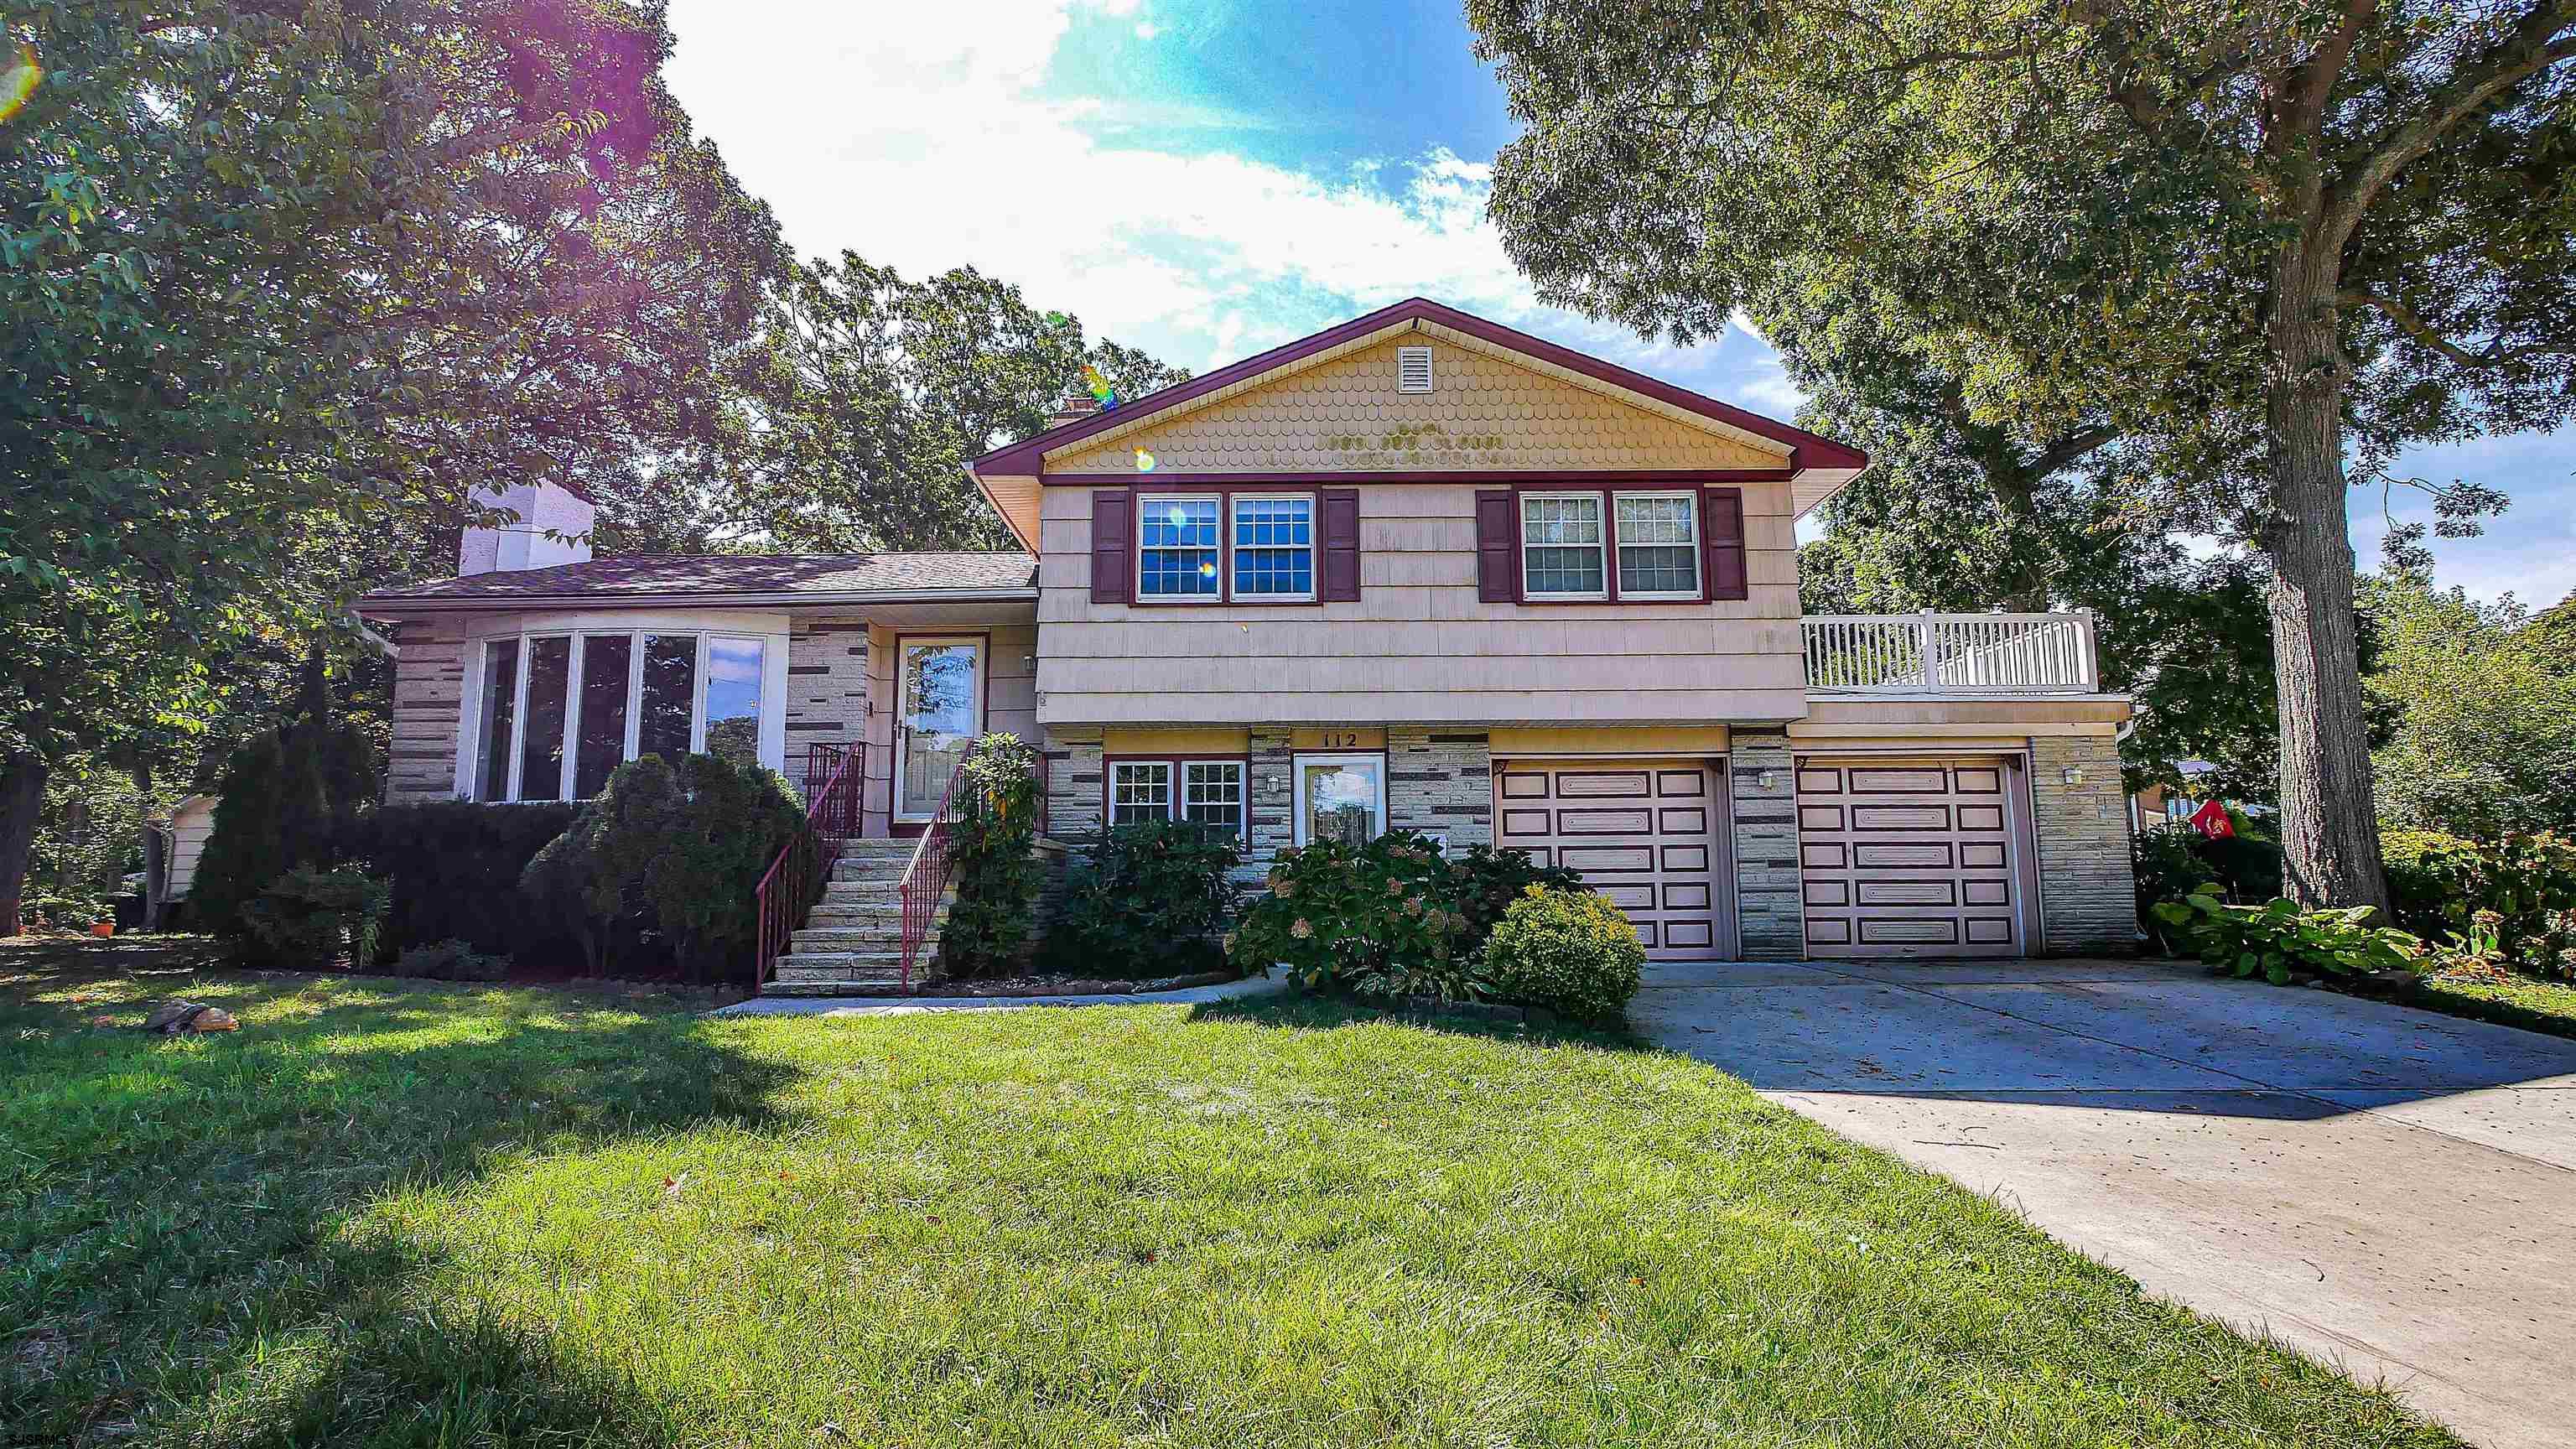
[541, 507]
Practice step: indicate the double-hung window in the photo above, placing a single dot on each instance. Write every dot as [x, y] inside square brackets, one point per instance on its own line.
[1176, 548]
[558, 713]
[1274, 548]
[1562, 553]
[1203, 792]
[1658, 545]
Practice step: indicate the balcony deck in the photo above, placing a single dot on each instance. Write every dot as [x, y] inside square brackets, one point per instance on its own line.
[1951, 655]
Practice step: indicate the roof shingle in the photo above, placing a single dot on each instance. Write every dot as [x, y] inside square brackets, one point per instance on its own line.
[717, 576]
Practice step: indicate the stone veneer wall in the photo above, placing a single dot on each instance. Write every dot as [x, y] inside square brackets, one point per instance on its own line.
[1771, 916]
[827, 686]
[1442, 782]
[429, 692]
[2087, 886]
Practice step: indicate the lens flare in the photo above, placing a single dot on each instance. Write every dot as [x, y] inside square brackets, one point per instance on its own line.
[1207, 570]
[1100, 388]
[1144, 461]
[19, 81]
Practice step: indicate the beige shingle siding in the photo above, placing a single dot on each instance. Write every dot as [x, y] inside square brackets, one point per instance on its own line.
[1483, 412]
[1418, 646]
[429, 693]
[2087, 886]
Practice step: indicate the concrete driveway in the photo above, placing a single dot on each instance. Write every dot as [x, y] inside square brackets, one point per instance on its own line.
[2387, 1189]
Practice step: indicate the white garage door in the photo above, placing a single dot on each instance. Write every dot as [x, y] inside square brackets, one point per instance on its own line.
[1649, 835]
[1908, 857]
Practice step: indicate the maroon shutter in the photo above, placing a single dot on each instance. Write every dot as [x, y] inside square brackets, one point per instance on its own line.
[1722, 527]
[1497, 551]
[1340, 583]
[1113, 544]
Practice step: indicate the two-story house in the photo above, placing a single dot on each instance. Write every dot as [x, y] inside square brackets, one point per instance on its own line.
[1417, 571]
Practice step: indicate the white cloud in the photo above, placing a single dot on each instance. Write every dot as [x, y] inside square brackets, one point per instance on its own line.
[1147, 30]
[918, 136]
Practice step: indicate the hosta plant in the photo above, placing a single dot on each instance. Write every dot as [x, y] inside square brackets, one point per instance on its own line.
[2277, 940]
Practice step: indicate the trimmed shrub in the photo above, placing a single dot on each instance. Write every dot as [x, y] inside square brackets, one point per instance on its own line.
[1148, 899]
[455, 869]
[2280, 941]
[996, 870]
[590, 879]
[701, 883]
[1385, 918]
[1570, 951]
[309, 917]
[286, 796]
[451, 961]
[1489, 881]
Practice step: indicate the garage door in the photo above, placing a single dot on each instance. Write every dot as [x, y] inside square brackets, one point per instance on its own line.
[1649, 835]
[1907, 858]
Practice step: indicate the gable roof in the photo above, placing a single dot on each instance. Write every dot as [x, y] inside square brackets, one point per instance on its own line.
[732, 578]
[1805, 450]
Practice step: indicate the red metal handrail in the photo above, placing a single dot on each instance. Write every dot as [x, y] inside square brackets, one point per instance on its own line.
[925, 876]
[787, 893]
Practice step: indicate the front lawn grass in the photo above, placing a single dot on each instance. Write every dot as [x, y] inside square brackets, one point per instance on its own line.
[403, 1214]
[2523, 1001]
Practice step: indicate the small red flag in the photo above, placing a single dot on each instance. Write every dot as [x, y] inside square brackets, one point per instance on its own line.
[2211, 820]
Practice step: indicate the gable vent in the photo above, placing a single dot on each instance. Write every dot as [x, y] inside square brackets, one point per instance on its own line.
[1413, 369]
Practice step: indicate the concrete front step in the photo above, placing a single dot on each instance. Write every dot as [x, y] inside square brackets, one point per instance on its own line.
[857, 986]
[870, 936]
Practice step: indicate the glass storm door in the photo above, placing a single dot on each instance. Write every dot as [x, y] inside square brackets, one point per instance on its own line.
[939, 710]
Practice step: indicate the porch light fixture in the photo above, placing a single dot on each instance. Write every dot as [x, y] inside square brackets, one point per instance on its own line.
[1770, 779]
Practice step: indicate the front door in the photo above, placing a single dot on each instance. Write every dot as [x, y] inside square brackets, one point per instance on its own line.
[939, 710]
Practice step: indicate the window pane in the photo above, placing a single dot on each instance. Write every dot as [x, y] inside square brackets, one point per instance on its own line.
[1212, 793]
[1176, 548]
[1274, 546]
[670, 693]
[599, 738]
[733, 699]
[1658, 546]
[1140, 792]
[541, 743]
[1341, 801]
[1561, 546]
[500, 707]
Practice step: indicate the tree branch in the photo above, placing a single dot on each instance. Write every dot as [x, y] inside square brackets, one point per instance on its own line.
[2412, 323]
[2526, 52]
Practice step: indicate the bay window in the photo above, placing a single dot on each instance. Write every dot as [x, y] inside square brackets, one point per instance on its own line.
[1202, 792]
[559, 712]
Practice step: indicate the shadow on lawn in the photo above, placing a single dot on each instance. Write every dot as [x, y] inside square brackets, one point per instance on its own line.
[177, 1251]
[1315, 1012]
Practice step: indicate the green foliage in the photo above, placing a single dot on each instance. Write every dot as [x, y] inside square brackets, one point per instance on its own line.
[874, 391]
[2279, 940]
[1485, 882]
[2510, 902]
[2484, 714]
[307, 918]
[91, 836]
[1567, 950]
[995, 868]
[1147, 898]
[450, 960]
[455, 868]
[285, 799]
[680, 850]
[1386, 918]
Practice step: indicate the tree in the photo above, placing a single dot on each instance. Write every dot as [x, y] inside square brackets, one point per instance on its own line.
[2484, 738]
[875, 391]
[285, 285]
[2270, 236]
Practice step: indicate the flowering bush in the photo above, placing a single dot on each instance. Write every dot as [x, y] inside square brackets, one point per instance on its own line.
[1568, 950]
[1392, 917]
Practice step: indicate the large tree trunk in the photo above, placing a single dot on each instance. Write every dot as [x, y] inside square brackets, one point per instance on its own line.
[2330, 827]
[22, 799]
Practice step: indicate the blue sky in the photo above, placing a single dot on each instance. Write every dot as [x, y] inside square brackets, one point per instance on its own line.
[1206, 178]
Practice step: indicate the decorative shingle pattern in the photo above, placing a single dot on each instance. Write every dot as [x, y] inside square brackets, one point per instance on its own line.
[1483, 412]
[714, 576]
[2087, 886]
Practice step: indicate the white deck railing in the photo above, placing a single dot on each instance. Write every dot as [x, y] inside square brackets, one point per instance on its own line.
[1951, 653]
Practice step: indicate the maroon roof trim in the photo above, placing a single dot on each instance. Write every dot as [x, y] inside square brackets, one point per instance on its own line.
[1027, 458]
[1673, 476]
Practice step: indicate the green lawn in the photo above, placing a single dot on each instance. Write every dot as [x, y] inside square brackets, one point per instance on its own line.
[406, 1214]
[2522, 1001]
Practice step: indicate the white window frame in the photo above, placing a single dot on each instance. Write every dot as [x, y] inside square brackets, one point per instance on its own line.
[1609, 533]
[1231, 586]
[1176, 787]
[1297, 773]
[1698, 547]
[1224, 529]
[770, 632]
